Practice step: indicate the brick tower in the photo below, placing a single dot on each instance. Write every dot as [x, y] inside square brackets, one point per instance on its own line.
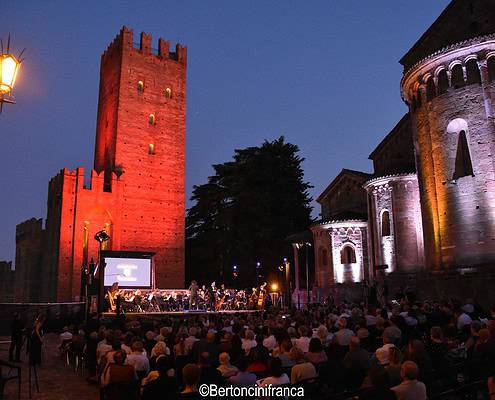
[140, 136]
[136, 190]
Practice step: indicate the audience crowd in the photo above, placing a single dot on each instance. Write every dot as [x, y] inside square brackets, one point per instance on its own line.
[405, 351]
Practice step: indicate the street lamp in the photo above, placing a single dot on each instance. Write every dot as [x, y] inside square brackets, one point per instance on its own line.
[9, 67]
[101, 237]
[307, 244]
[235, 274]
[258, 267]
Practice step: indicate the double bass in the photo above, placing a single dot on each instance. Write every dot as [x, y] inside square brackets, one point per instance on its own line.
[261, 297]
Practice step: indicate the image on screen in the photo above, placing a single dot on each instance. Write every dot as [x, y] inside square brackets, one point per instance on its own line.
[128, 272]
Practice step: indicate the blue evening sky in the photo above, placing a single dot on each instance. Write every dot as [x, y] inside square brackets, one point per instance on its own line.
[323, 73]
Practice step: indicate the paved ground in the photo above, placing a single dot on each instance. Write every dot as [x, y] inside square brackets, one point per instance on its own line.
[57, 381]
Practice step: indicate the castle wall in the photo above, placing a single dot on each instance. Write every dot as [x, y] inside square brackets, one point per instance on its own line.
[28, 271]
[7, 282]
[76, 213]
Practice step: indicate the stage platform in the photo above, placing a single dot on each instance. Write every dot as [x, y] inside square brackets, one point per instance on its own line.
[186, 313]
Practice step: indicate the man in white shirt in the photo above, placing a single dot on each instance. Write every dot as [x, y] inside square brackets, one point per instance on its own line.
[410, 388]
[382, 354]
[138, 359]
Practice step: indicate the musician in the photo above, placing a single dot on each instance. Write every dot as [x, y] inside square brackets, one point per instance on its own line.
[221, 297]
[193, 294]
[212, 291]
[253, 299]
[112, 294]
[262, 297]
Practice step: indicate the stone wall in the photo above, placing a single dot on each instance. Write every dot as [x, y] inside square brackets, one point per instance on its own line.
[400, 245]
[454, 96]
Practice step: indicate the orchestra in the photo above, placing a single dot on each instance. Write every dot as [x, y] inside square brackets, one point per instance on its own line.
[194, 299]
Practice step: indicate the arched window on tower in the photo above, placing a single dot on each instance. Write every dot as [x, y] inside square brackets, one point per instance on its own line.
[491, 68]
[430, 89]
[385, 223]
[457, 77]
[443, 82]
[463, 164]
[140, 86]
[347, 255]
[151, 119]
[473, 72]
[168, 93]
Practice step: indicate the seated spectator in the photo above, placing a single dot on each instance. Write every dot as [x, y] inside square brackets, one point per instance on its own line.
[382, 354]
[120, 380]
[206, 345]
[243, 377]
[236, 350]
[276, 375]
[302, 369]
[161, 381]
[379, 389]
[269, 340]
[138, 359]
[209, 374]
[393, 332]
[257, 360]
[462, 319]
[191, 339]
[191, 374]
[416, 352]
[226, 368]
[284, 353]
[437, 348]
[357, 359]
[248, 341]
[475, 328]
[410, 388]
[303, 341]
[65, 338]
[315, 354]
[159, 350]
[324, 336]
[394, 367]
[343, 335]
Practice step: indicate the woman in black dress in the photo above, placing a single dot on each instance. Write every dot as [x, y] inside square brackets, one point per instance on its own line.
[36, 341]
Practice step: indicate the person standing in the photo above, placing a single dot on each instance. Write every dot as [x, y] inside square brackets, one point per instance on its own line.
[193, 295]
[36, 341]
[16, 329]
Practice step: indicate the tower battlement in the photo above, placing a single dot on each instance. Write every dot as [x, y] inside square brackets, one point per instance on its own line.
[125, 41]
[77, 176]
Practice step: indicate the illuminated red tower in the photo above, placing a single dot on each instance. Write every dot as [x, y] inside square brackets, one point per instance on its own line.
[140, 135]
[136, 190]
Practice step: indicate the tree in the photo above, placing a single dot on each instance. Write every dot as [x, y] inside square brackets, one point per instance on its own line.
[244, 213]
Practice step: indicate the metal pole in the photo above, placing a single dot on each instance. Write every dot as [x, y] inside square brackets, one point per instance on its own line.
[307, 276]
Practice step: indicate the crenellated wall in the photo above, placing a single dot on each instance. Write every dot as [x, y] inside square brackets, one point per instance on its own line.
[75, 213]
